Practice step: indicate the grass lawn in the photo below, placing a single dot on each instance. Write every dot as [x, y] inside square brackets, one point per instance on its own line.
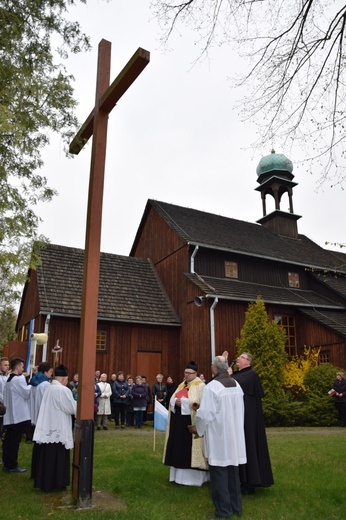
[308, 466]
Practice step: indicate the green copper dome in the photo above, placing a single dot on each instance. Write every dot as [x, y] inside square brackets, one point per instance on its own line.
[274, 161]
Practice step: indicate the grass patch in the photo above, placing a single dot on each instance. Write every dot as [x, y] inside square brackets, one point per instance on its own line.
[307, 465]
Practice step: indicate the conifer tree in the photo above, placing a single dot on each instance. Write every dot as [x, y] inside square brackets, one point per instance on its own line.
[265, 340]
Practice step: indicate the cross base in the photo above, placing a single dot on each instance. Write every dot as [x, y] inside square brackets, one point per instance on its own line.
[83, 465]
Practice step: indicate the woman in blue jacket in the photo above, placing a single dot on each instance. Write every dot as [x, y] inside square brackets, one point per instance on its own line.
[120, 397]
[139, 400]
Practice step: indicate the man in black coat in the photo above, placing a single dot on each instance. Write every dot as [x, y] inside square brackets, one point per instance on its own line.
[257, 471]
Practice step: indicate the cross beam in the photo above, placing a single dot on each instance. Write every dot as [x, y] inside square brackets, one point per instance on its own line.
[107, 102]
[95, 125]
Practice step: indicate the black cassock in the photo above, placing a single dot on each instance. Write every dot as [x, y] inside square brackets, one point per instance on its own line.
[257, 471]
[52, 467]
[179, 444]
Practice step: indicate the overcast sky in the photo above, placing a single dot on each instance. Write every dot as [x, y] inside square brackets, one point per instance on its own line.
[174, 136]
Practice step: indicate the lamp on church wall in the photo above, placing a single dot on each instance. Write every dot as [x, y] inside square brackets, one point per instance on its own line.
[199, 300]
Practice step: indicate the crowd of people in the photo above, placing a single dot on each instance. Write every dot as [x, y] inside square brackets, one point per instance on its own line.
[125, 400]
[43, 407]
[215, 430]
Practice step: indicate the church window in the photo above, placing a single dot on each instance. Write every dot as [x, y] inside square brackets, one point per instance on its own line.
[288, 324]
[231, 269]
[293, 280]
[101, 340]
[324, 358]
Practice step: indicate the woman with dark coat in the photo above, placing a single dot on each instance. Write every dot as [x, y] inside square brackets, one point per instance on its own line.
[139, 400]
[159, 391]
[130, 417]
[120, 397]
[340, 396]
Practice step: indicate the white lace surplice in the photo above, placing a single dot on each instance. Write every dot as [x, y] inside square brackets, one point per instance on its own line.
[54, 423]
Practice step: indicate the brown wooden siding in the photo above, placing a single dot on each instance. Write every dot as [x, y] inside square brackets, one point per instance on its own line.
[30, 305]
[16, 349]
[282, 225]
[211, 263]
[320, 288]
[195, 338]
[171, 259]
[308, 331]
[123, 343]
[229, 319]
[157, 239]
[171, 272]
[195, 335]
[311, 333]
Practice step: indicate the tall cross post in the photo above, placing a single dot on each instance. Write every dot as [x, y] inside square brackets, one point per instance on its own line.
[95, 125]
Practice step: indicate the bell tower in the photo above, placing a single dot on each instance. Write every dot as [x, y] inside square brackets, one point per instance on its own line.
[275, 179]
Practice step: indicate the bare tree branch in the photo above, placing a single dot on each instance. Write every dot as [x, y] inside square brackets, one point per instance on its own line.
[296, 67]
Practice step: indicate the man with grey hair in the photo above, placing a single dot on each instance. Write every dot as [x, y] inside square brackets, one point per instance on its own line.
[220, 420]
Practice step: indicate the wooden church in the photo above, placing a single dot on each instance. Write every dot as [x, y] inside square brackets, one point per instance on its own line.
[183, 291]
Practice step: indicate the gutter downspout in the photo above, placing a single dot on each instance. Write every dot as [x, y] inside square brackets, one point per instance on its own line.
[46, 331]
[192, 260]
[212, 327]
[31, 330]
[211, 311]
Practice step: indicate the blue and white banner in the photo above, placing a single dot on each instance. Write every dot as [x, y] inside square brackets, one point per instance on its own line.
[160, 416]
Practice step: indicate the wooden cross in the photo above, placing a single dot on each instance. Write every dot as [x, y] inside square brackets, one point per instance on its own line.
[95, 125]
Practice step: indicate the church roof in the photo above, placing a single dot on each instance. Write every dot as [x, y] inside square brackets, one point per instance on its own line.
[227, 234]
[130, 289]
[230, 289]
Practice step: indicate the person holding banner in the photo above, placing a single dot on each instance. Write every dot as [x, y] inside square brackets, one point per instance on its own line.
[160, 416]
[160, 419]
[183, 452]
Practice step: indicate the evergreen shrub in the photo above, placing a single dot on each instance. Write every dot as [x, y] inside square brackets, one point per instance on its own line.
[296, 391]
[319, 380]
[314, 411]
